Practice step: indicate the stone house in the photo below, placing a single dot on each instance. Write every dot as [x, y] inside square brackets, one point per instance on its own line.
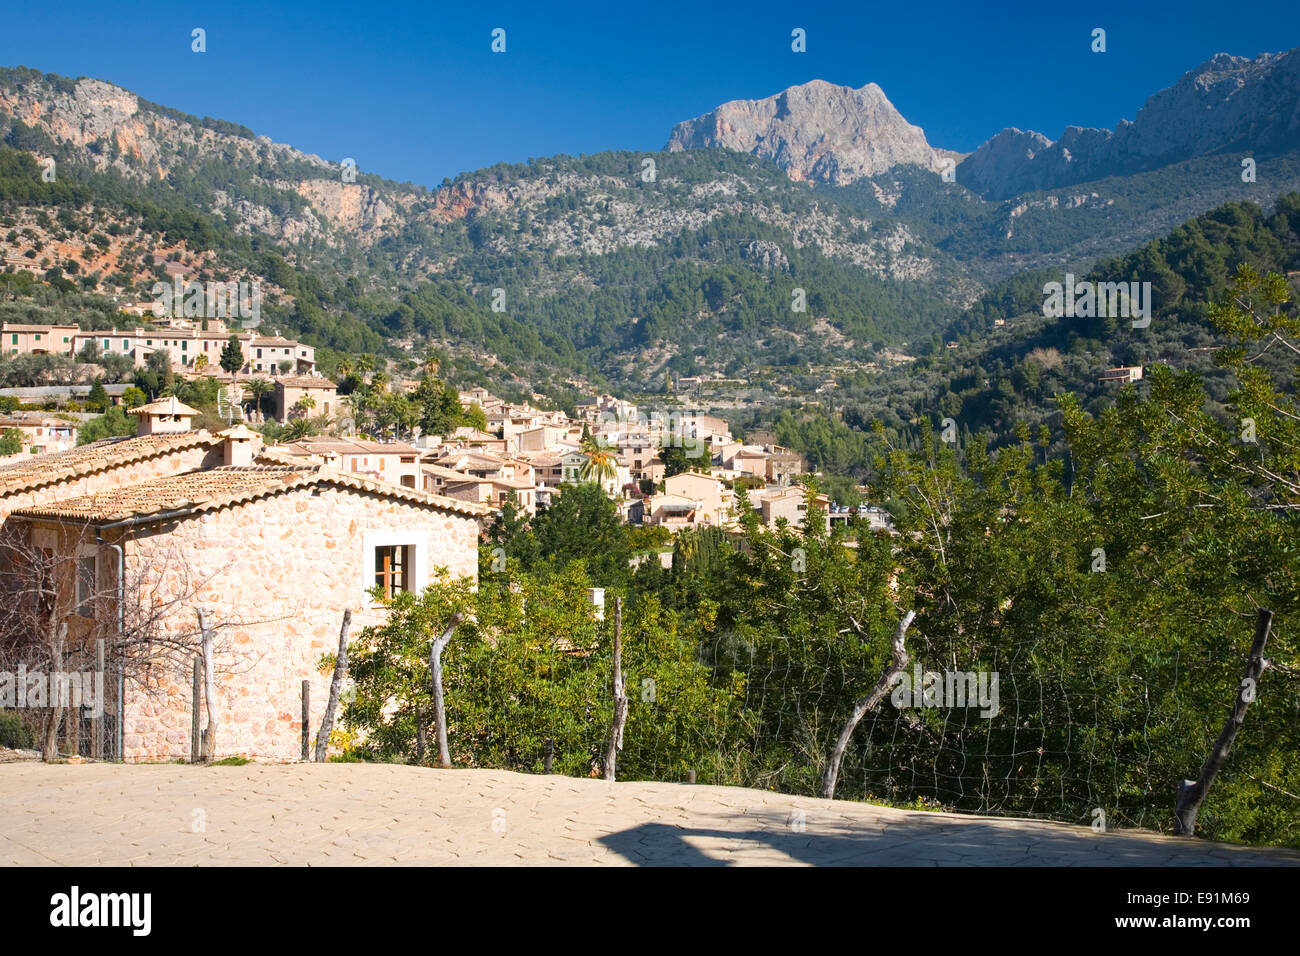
[782, 466]
[670, 511]
[271, 547]
[272, 354]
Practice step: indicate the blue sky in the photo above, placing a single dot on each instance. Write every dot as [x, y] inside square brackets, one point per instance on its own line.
[413, 91]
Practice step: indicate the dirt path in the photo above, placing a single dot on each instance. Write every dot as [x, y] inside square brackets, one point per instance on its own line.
[358, 814]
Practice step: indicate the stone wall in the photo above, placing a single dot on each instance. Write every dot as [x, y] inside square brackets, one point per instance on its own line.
[274, 575]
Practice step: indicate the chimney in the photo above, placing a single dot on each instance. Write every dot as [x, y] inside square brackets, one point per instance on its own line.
[240, 445]
[163, 416]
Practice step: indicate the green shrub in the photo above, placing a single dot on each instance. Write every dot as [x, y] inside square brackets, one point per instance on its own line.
[16, 733]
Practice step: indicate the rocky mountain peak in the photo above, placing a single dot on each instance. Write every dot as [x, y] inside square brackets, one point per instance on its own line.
[1228, 102]
[814, 131]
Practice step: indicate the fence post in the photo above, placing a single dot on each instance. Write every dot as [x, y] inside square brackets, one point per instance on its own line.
[195, 756]
[690, 776]
[306, 720]
[97, 723]
[550, 755]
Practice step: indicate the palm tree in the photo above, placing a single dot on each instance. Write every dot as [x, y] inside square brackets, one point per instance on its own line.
[298, 428]
[303, 406]
[601, 464]
[358, 404]
[258, 388]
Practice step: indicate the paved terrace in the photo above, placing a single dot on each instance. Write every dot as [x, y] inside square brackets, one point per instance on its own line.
[358, 814]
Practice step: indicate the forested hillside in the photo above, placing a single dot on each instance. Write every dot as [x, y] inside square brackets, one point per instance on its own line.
[1002, 377]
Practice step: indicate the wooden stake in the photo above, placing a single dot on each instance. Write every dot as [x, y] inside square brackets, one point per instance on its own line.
[1191, 793]
[864, 704]
[209, 741]
[620, 697]
[336, 687]
[306, 720]
[195, 754]
[439, 706]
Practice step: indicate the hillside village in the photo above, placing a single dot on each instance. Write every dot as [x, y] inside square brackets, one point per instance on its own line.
[276, 539]
[522, 457]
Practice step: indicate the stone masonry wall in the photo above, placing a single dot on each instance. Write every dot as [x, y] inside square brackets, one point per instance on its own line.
[275, 576]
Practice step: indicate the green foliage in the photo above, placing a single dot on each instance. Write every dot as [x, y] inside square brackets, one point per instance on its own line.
[581, 523]
[97, 400]
[11, 441]
[232, 357]
[15, 733]
[674, 459]
[114, 422]
[533, 665]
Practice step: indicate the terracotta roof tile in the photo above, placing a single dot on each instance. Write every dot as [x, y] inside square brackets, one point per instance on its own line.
[206, 490]
[97, 456]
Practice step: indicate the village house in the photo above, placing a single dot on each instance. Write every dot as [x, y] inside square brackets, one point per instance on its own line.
[467, 437]
[548, 473]
[320, 392]
[782, 466]
[791, 505]
[478, 396]
[673, 512]
[272, 548]
[545, 437]
[395, 463]
[1125, 373]
[716, 501]
[20, 339]
[187, 343]
[492, 492]
[184, 346]
[41, 433]
[276, 355]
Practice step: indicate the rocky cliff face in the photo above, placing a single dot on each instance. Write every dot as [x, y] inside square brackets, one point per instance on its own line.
[816, 131]
[1227, 103]
[108, 127]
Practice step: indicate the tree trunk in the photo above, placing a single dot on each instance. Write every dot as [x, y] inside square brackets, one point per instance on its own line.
[58, 634]
[864, 704]
[620, 698]
[420, 743]
[336, 687]
[1191, 793]
[439, 707]
[209, 749]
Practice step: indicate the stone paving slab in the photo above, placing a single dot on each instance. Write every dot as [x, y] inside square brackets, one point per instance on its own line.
[377, 814]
